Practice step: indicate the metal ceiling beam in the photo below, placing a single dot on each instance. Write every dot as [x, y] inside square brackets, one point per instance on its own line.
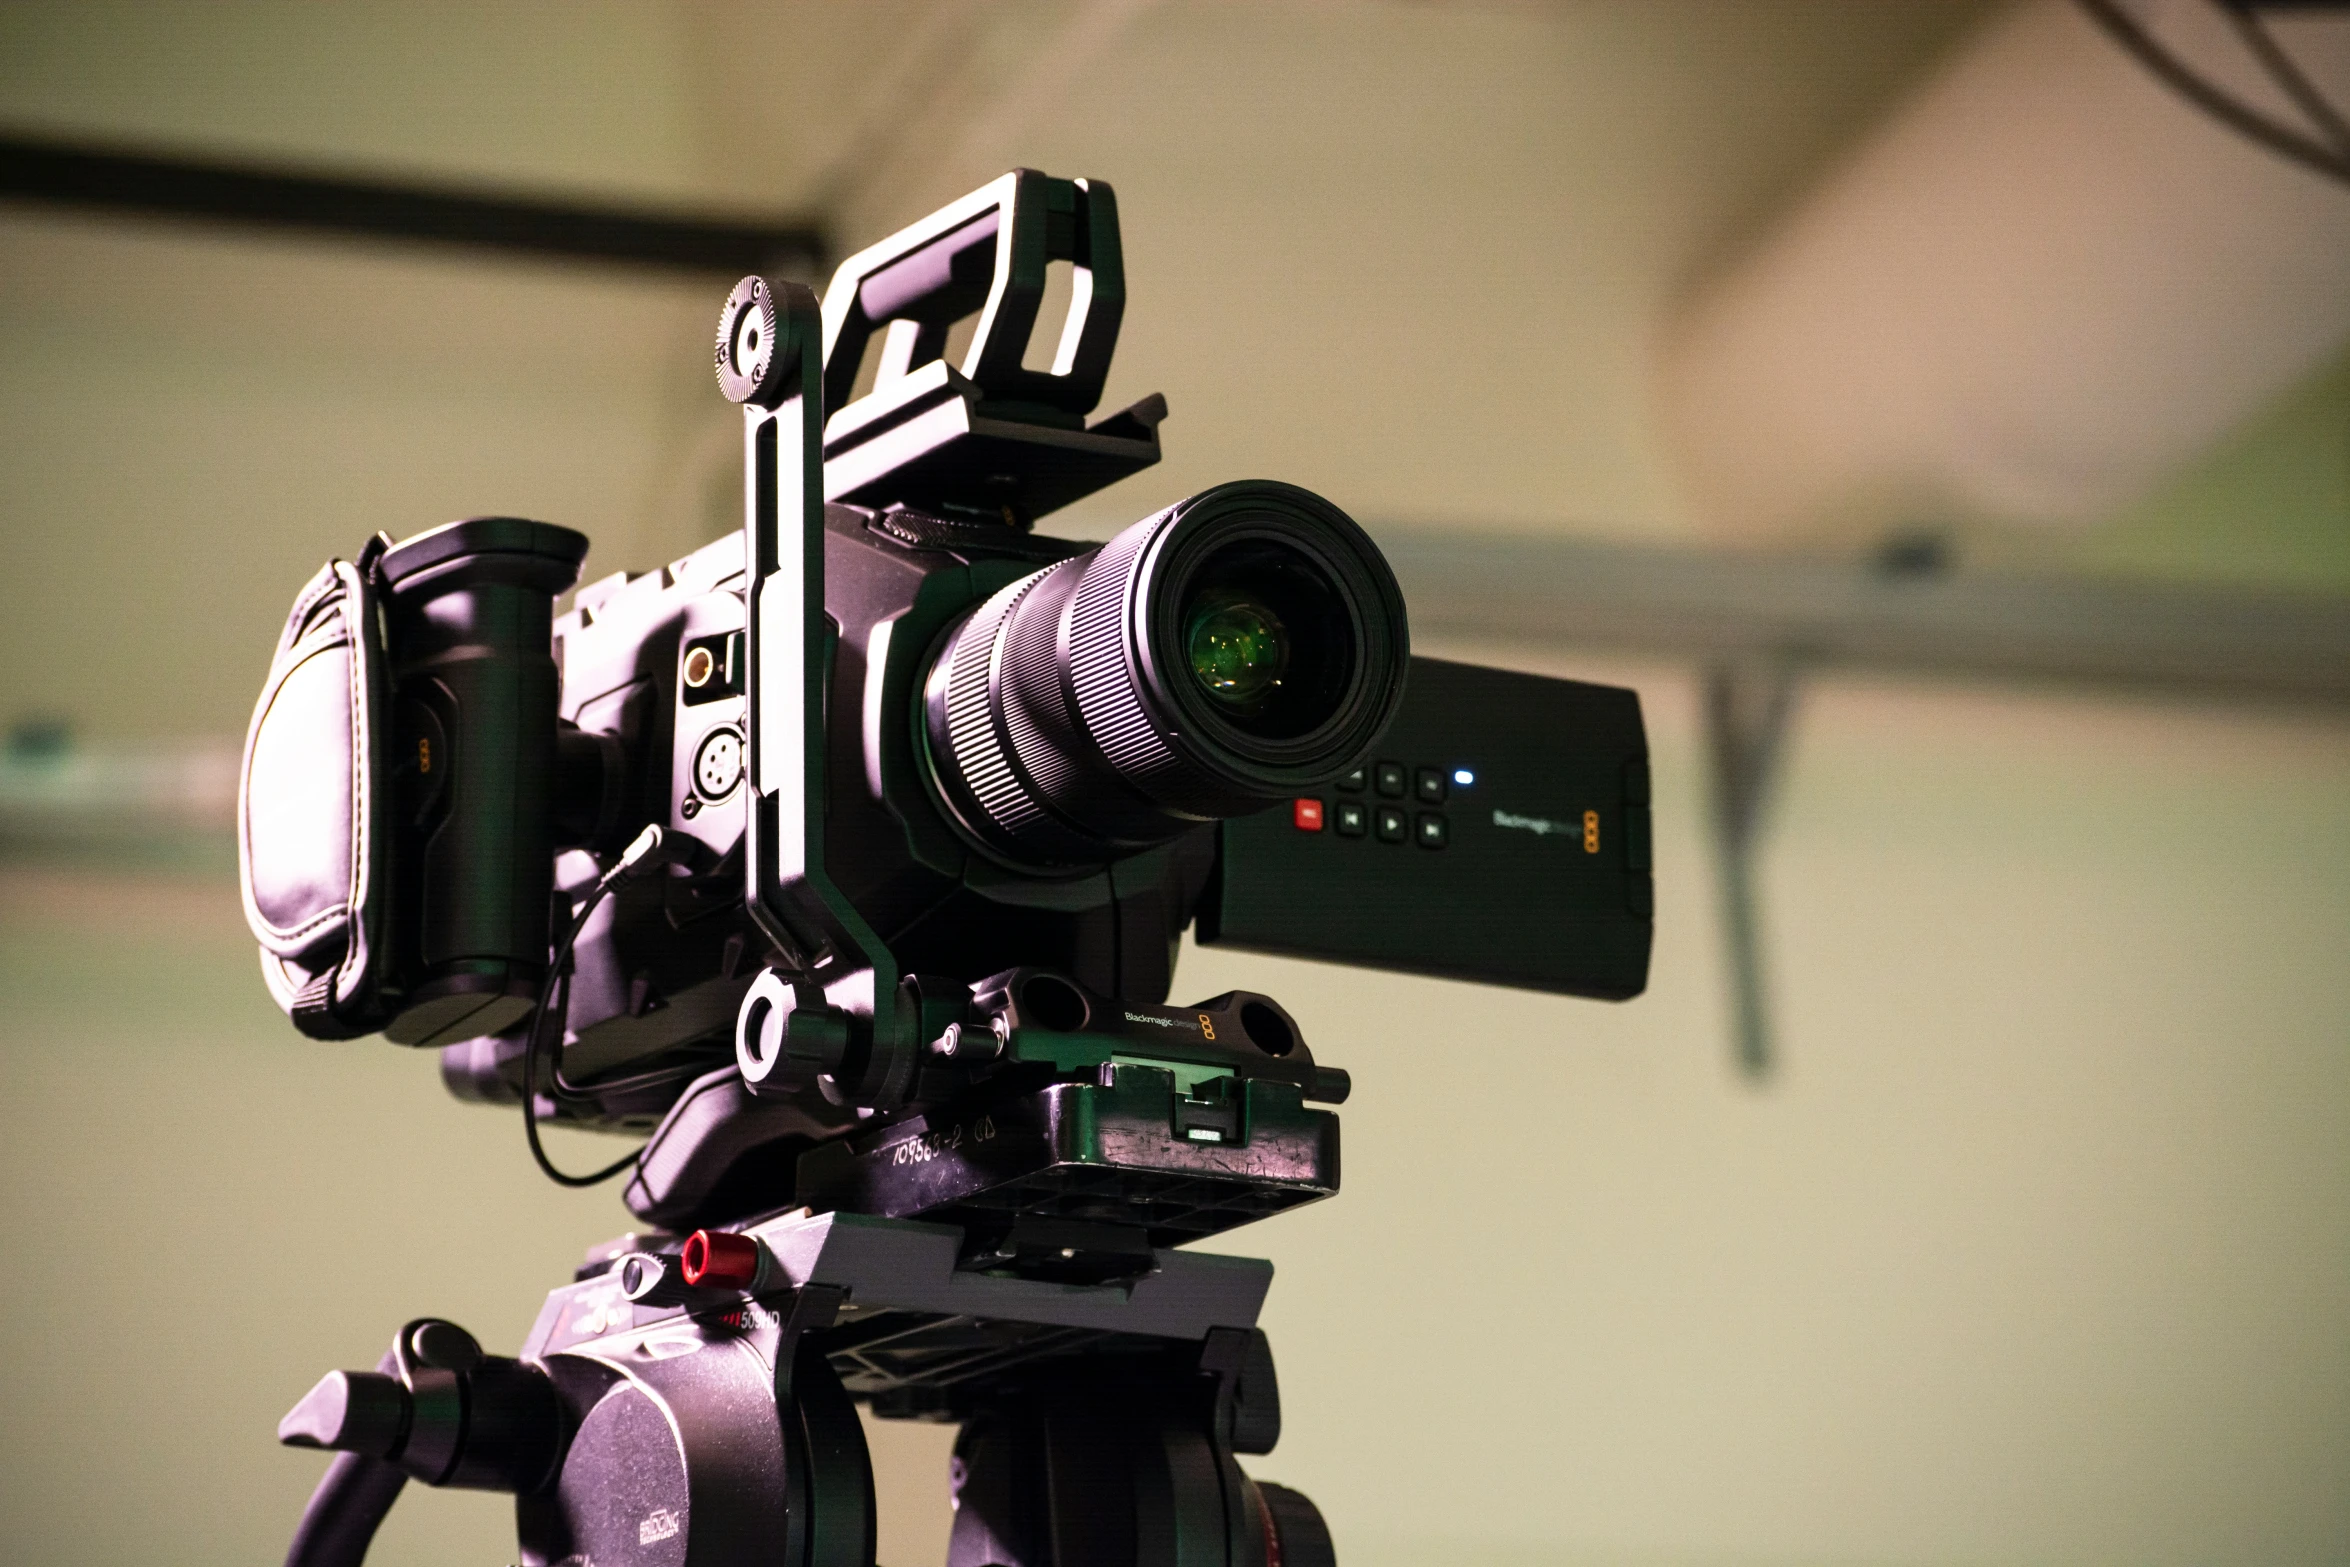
[2199, 641]
[1755, 625]
[251, 195]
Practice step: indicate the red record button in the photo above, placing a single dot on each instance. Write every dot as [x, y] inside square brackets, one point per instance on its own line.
[1307, 814]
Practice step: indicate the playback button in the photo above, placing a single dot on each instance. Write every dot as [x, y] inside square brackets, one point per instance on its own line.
[1431, 831]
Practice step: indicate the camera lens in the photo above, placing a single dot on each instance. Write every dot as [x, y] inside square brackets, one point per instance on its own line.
[1241, 647]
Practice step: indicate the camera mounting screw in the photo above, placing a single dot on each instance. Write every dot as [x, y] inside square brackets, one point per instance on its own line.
[971, 1043]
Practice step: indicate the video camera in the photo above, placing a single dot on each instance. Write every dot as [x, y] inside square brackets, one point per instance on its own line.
[848, 855]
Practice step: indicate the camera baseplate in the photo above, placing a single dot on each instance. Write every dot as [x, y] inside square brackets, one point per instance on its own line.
[906, 1310]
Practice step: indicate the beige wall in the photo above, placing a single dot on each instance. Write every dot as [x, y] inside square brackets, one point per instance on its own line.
[2038, 1249]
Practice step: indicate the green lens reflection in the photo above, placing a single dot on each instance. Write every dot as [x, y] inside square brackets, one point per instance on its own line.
[1239, 648]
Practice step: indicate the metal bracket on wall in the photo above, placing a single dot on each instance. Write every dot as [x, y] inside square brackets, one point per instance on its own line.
[1748, 705]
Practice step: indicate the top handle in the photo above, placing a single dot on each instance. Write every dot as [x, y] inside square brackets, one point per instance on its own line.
[988, 253]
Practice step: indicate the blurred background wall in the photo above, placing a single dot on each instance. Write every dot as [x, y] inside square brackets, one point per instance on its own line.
[2034, 1246]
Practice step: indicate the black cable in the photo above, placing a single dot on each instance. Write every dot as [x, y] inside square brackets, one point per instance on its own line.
[645, 853]
[2286, 72]
[2215, 101]
[658, 1077]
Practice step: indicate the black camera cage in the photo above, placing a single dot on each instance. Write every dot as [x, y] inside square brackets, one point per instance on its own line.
[988, 254]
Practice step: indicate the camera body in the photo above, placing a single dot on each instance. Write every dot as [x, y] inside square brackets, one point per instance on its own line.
[657, 662]
[917, 802]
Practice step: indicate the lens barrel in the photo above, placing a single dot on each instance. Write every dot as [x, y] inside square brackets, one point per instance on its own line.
[1239, 648]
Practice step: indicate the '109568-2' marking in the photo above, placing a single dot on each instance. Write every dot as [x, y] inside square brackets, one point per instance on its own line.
[926, 1146]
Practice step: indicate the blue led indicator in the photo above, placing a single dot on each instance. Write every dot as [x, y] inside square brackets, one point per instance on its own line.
[1463, 777]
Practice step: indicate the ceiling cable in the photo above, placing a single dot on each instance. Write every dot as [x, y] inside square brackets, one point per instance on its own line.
[2332, 160]
[2283, 70]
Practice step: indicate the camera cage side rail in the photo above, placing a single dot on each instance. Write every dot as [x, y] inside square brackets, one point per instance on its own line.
[770, 361]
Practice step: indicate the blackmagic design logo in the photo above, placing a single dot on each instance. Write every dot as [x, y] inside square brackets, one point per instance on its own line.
[1547, 827]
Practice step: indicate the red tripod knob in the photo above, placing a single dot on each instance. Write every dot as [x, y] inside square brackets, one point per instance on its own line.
[719, 1259]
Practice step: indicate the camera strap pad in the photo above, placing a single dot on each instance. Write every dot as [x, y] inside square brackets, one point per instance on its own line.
[311, 831]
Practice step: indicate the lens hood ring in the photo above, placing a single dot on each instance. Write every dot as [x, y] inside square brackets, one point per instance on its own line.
[1352, 566]
[1066, 725]
[1136, 700]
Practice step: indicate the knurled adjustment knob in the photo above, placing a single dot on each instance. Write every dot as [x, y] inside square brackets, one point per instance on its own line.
[755, 354]
[450, 1416]
[650, 1279]
[787, 1039]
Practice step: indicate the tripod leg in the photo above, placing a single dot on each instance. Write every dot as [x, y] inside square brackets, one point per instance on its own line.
[834, 1480]
[1087, 1487]
[1111, 1478]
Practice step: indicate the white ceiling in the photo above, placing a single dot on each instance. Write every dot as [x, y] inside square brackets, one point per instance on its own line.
[1416, 253]
[1415, 256]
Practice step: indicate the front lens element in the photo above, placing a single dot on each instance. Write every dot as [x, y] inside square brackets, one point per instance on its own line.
[1239, 649]
[1271, 581]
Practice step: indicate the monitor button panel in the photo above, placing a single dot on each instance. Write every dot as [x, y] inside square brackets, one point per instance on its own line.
[1498, 832]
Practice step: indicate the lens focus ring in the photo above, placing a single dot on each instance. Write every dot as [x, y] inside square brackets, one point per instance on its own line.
[1003, 802]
